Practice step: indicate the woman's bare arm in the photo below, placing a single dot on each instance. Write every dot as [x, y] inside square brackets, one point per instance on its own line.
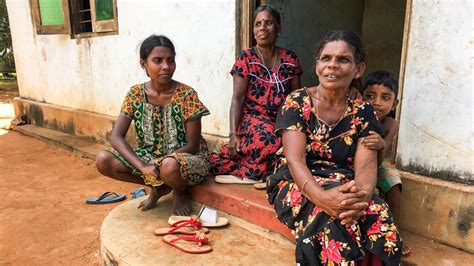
[238, 98]
[365, 169]
[193, 137]
[295, 83]
[119, 143]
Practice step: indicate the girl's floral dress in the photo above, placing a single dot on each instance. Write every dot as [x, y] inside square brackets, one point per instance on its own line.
[267, 90]
[330, 157]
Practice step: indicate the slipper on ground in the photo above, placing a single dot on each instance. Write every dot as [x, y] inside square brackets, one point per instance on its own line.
[183, 227]
[138, 192]
[260, 185]
[185, 230]
[232, 179]
[107, 197]
[221, 221]
[196, 244]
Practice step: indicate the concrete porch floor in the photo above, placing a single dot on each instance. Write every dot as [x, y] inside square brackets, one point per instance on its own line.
[240, 200]
[127, 239]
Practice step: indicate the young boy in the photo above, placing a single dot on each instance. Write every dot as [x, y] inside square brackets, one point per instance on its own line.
[381, 89]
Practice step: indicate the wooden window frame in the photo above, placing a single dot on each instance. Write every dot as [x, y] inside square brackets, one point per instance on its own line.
[105, 25]
[51, 29]
[99, 28]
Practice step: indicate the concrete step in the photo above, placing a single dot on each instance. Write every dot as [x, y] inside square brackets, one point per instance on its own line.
[127, 239]
[242, 201]
[75, 144]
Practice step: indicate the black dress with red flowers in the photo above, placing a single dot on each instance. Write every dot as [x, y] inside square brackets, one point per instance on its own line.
[321, 240]
[267, 89]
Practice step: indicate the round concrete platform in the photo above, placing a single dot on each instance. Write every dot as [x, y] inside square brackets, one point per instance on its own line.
[127, 238]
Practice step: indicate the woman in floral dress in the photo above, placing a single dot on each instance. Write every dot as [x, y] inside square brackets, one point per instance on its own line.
[171, 152]
[263, 76]
[323, 188]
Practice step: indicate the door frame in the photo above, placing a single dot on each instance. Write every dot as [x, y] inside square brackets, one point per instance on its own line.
[401, 79]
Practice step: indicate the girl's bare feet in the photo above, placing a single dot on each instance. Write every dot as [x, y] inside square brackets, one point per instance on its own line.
[181, 203]
[155, 195]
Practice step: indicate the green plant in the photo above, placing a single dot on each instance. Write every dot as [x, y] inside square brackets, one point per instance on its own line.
[7, 62]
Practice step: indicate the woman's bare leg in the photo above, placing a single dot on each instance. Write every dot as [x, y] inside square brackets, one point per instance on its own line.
[170, 174]
[110, 166]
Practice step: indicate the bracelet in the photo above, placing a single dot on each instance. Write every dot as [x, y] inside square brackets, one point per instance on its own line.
[304, 184]
[232, 133]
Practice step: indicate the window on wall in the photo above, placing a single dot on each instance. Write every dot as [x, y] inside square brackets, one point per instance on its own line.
[79, 18]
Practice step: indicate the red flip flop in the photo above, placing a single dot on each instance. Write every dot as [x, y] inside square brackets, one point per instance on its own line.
[221, 221]
[190, 244]
[183, 227]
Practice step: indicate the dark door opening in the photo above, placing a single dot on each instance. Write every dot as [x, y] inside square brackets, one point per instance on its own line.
[304, 22]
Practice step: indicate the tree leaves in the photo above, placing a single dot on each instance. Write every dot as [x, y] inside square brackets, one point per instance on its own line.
[7, 63]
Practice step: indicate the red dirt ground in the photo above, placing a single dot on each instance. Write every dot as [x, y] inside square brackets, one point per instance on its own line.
[43, 217]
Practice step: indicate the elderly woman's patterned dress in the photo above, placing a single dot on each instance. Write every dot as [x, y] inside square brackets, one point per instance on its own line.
[267, 89]
[330, 157]
[160, 130]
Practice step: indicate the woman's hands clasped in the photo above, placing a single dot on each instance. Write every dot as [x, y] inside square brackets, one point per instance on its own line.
[346, 202]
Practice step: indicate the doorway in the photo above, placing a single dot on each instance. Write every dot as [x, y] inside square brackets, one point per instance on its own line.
[381, 24]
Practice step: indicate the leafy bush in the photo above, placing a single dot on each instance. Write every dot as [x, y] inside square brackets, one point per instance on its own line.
[7, 62]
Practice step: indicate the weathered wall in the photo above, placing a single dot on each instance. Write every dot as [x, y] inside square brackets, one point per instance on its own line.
[305, 22]
[382, 33]
[438, 209]
[436, 132]
[94, 74]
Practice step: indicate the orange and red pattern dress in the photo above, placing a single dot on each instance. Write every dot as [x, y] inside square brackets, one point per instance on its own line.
[267, 89]
[321, 240]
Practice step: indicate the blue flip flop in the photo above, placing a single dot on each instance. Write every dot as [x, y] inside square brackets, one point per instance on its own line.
[138, 192]
[107, 197]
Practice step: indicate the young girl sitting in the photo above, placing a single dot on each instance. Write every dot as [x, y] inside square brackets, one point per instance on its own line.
[381, 89]
[171, 153]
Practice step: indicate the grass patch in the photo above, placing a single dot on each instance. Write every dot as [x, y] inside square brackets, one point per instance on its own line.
[8, 80]
[8, 83]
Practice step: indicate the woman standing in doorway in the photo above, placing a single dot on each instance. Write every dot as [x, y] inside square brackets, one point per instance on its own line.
[263, 76]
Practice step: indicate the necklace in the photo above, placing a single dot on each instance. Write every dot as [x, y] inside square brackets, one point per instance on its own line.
[263, 60]
[330, 127]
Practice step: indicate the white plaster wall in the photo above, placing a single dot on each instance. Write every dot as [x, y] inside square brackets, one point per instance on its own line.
[94, 74]
[436, 123]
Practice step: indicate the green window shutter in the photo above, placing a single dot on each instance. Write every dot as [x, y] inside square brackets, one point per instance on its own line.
[104, 9]
[51, 12]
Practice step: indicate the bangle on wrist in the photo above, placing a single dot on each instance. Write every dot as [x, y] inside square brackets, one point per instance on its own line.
[304, 184]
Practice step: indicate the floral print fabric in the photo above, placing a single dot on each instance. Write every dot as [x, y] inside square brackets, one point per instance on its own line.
[267, 89]
[330, 156]
[160, 130]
